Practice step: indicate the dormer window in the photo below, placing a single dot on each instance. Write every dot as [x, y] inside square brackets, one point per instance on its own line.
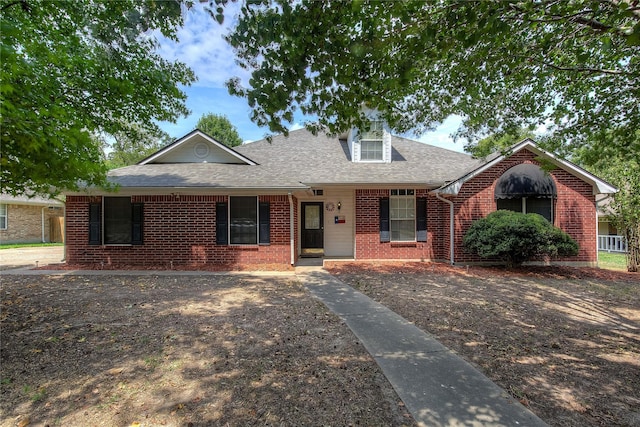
[371, 143]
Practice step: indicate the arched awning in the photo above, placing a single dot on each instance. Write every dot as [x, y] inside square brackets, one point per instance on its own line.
[525, 180]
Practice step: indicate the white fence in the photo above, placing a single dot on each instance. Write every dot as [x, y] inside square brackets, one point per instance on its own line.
[612, 244]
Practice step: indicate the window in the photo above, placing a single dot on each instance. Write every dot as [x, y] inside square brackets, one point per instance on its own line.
[539, 205]
[526, 188]
[243, 224]
[242, 221]
[403, 217]
[115, 221]
[371, 147]
[3, 217]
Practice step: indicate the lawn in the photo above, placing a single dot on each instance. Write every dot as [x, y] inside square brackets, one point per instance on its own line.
[27, 245]
[612, 261]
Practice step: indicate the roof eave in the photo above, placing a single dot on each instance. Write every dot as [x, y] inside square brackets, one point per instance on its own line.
[599, 186]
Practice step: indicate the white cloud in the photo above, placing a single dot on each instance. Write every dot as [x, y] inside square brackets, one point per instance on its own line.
[202, 47]
[441, 136]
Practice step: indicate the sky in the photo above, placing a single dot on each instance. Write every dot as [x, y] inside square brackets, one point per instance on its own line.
[201, 46]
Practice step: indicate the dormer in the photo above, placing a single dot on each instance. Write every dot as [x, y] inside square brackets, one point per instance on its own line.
[372, 145]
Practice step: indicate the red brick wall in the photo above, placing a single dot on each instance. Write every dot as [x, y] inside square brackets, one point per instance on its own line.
[574, 212]
[368, 245]
[179, 230]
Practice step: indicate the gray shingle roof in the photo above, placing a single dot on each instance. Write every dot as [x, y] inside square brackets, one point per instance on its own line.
[302, 159]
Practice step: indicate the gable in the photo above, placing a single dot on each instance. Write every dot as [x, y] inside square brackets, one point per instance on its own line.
[196, 147]
[599, 186]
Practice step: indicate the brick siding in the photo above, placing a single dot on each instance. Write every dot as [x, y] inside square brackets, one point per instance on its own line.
[24, 224]
[368, 245]
[574, 210]
[178, 231]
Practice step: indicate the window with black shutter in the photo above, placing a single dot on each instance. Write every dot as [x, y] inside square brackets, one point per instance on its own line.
[403, 217]
[116, 221]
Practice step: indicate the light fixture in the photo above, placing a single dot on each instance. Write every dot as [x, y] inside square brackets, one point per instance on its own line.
[339, 205]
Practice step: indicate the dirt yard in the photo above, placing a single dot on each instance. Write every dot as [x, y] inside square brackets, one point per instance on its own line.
[182, 351]
[130, 350]
[565, 342]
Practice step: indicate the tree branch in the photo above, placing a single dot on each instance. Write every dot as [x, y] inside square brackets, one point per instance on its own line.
[23, 3]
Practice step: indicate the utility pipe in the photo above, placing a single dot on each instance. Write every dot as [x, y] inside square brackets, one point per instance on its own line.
[291, 230]
[42, 223]
[451, 227]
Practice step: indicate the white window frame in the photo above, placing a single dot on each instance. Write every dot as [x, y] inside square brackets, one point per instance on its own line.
[404, 195]
[4, 216]
[372, 141]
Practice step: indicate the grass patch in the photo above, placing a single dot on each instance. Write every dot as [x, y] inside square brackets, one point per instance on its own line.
[612, 261]
[27, 245]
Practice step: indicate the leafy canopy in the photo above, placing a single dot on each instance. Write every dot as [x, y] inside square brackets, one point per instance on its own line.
[219, 128]
[515, 237]
[125, 151]
[73, 72]
[501, 66]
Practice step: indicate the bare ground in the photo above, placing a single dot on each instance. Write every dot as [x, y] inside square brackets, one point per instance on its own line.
[182, 351]
[565, 342]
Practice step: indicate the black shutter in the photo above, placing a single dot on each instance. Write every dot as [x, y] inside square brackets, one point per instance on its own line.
[136, 223]
[421, 219]
[385, 234]
[222, 223]
[265, 223]
[95, 219]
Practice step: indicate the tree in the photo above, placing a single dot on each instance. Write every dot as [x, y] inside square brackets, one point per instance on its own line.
[220, 128]
[515, 237]
[501, 66]
[125, 151]
[73, 72]
[494, 143]
[624, 173]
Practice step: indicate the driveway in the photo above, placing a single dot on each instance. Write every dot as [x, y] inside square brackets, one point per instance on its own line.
[28, 257]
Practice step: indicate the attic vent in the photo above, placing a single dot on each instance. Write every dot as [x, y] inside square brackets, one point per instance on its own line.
[201, 150]
[318, 192]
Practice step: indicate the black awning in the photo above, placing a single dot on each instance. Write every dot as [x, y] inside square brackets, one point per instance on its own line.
[525, 180]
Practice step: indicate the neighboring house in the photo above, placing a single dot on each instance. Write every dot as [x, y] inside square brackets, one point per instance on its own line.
[363, 196]
[31, 220]
[609, 239]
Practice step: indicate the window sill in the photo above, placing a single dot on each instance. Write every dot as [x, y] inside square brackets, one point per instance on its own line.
[404, 244]
[238, 247]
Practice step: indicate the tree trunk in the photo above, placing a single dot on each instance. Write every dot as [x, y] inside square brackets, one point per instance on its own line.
[632, 234]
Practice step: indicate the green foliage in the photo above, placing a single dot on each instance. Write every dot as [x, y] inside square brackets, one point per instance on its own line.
[623, 172]
[73, 70]
[126, 151]
[494, 143]
[219, 128]
[515, 237]
[501, 66]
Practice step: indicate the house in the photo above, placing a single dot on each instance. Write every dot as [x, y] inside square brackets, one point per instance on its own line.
[609, 239]
[31, 220]
[361, 196]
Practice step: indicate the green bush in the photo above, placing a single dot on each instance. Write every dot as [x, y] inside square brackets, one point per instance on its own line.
[516, 237]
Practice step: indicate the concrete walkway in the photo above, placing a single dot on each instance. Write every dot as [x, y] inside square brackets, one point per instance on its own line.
[438, 387]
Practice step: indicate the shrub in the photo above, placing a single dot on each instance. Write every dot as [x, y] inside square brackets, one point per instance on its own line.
[516, 237]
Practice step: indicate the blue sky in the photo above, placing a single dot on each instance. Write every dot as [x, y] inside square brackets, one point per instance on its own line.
[201, 46]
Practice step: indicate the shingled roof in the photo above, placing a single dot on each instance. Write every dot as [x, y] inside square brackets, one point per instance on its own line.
[302, 160]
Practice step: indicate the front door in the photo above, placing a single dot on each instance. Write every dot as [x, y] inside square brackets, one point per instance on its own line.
[312, 229]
